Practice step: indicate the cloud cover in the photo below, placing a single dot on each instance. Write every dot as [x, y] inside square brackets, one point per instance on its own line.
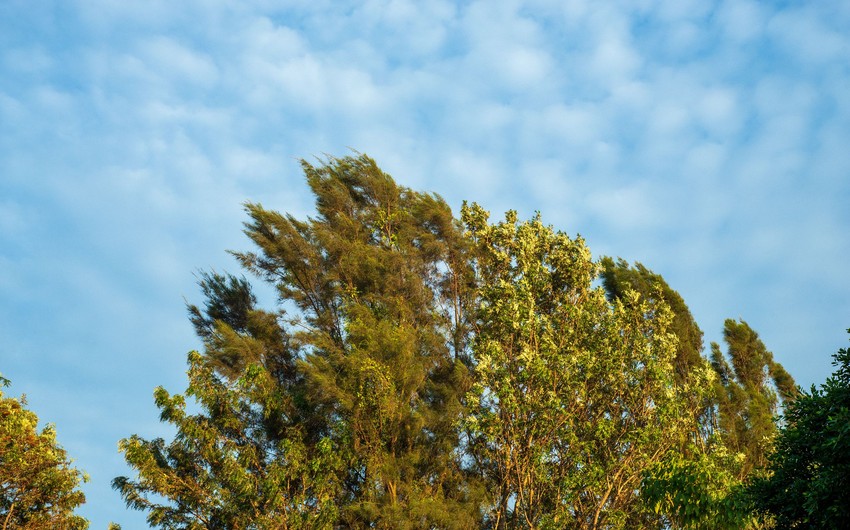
[704, 139]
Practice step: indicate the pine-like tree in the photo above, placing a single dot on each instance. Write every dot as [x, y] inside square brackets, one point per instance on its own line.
[372, 362]
[748, 394]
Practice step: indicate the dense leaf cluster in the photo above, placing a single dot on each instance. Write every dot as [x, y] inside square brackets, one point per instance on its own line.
[39, 490]
[809, 481]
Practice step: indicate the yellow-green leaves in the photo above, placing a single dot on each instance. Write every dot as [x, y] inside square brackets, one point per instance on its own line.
[574, 396]
[39, 490]
[228, 466]
[698, 489]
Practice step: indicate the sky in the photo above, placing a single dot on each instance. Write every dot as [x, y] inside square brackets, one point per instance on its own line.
[704, 139]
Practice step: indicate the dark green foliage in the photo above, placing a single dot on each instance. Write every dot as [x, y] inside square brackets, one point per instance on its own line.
[228, 299]
[809, 481]
[236, 333]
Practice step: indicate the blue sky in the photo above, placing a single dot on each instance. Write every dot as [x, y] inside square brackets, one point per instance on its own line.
[706, 139]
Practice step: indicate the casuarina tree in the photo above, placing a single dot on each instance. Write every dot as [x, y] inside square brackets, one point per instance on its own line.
[370, 367]
[749, 392]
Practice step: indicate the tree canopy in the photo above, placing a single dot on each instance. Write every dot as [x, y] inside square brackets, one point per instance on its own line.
[424, 371]
[574, 396]
[808, 485]
[39, 489]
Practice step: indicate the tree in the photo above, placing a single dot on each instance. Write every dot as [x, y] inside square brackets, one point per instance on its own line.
[38, 487]
[371, 364]
[748, 394]
[375, 278]
[808, 484]
[424, 372]
[574, 396]
[238, 464]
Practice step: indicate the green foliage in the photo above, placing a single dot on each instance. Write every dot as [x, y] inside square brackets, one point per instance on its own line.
[230, 466]
[433, 373]
[809, 481]
[370, 368]
[38, 487]
[375, 278]
[574, 396]
[618, 278]
[699, 489]
[748, 394]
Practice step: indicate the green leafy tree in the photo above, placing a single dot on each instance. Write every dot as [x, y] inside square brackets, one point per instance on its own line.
[574, 396]
[748, 394]
[38, 487]
[809, 481]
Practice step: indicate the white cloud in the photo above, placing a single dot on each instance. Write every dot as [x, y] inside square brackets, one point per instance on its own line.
[718, 112]
[628, 209]
[614, 60]
[741, 20]
[804, 34]
[179, 63]
[28, 61]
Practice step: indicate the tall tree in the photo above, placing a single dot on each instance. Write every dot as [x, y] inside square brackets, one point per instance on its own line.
[372, 277]
[574, 396]
[809, 481]
[748, 394]
[39, 490]
[372, 360]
